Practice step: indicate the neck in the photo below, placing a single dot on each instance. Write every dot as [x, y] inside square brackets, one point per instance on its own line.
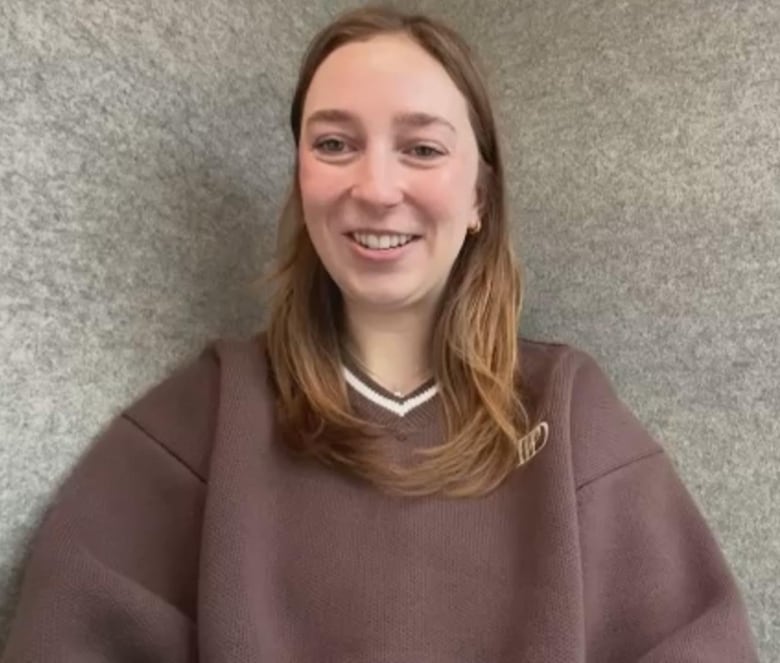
[393, 347]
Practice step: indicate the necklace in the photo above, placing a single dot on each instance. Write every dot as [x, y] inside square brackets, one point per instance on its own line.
[417, 378]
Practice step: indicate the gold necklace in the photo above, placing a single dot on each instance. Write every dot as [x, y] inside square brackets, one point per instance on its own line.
[396, 392]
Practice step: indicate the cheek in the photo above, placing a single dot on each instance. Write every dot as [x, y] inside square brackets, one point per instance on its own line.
[447, 193]
[319, 184]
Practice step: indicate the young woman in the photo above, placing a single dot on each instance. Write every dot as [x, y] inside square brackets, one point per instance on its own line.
[387, 472]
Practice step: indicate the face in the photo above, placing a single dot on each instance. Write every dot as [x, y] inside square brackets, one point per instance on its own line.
[388, 166]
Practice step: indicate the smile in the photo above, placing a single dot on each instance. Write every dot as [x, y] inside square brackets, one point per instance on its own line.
[382, 241]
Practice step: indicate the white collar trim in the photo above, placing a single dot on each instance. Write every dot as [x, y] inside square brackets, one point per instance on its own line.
[400, 409]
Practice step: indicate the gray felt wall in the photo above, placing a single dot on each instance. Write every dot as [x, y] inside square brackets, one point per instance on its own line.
[144, 150]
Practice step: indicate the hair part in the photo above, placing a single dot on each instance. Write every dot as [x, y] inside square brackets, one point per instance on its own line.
[475, 347]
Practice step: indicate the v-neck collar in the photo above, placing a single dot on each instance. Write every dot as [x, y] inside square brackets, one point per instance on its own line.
[414, 410]
[378, 395]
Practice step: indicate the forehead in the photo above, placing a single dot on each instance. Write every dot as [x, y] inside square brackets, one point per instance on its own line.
[382, 75]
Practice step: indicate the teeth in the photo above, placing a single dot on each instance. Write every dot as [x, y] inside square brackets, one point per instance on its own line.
[372, 241]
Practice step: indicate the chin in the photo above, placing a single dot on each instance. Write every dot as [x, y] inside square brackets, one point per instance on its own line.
[384, 299]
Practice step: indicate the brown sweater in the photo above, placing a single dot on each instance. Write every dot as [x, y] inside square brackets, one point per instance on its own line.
[186, 533]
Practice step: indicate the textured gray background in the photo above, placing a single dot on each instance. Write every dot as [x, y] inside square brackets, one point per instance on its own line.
[144, 150]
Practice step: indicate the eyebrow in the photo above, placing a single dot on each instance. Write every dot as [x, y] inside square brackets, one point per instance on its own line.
[412, 119]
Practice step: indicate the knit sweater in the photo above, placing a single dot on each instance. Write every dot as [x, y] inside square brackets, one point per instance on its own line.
[187, 532]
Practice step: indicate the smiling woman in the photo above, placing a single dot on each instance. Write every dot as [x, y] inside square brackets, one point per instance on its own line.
[389, 472]
[397, 215]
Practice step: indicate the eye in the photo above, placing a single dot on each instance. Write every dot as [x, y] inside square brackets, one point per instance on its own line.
[426, 151]
[331, 146]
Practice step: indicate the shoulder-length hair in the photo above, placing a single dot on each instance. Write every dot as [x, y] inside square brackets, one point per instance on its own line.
[474, 345]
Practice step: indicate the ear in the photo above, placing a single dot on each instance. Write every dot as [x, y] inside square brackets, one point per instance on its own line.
[478, 207]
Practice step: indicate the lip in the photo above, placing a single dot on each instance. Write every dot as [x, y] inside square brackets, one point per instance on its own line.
[380, 255]
[374, 231]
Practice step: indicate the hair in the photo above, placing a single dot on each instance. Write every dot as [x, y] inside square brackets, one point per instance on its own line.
[474, 342]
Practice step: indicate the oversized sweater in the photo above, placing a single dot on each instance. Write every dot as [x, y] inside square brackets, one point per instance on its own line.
[187, 532]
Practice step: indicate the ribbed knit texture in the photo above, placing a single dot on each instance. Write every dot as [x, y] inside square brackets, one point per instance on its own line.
[188, 533]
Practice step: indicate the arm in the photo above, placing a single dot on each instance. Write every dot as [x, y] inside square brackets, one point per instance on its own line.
[657, 587]
[112, 573]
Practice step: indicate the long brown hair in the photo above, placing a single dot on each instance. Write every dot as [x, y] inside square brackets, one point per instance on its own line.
[475, 339]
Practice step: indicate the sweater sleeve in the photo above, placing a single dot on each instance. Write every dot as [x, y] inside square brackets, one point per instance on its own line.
[657, 588]
[112, 571]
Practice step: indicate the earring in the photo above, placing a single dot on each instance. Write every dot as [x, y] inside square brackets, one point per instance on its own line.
[473, 230]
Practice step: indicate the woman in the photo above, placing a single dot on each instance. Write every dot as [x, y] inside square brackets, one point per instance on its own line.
[387, 473]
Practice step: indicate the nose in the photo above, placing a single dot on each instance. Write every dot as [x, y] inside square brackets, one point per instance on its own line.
[377, 180]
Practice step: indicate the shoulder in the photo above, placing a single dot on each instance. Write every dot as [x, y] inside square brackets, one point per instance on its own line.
[180, 412]
[576, 396]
